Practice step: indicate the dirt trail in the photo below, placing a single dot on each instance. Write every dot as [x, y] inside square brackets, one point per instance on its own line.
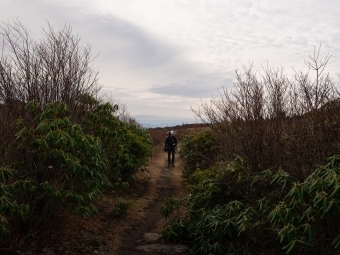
[165, 182]
[104, 235]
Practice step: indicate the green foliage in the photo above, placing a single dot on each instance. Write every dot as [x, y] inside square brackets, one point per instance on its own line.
[120, 209]
[199, 151]
[308, 216]
[136, 145]
[176, 229]
[126, 145]
[8, 206]
[56, 165]
[221, 214]
[231, 210]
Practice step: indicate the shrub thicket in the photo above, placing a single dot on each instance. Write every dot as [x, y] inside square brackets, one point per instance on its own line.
[57, 164]
[271, 199]
[127, 146]
[231, 210]
[60, 146]
[273, 120]
[53, 164]
[199, 151]
[55, 68]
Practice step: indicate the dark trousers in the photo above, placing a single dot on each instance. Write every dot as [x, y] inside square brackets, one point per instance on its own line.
[171, 153]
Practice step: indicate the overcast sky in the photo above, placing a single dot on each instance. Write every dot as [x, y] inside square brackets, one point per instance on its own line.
[161, 57]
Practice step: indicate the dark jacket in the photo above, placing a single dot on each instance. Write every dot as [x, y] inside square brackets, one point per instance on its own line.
[171, 141]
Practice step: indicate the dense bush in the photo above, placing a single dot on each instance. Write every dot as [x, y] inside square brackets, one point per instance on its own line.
[273, 120]
[198, 150]
[54, 68]
[250, 205]
[307, 219]
[127, 146]
[56, 164]
[9, 207]
[60, 146]
[219, 216]
[231, 210]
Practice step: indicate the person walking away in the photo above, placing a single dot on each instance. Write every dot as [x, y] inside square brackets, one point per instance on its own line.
[171, 142]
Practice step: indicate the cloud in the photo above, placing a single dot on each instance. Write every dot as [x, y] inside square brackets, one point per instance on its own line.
[203, 86]
[128, 44]
[178, 89]
[118, 40]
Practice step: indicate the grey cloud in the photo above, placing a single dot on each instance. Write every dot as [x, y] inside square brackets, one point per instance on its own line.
[133, 48]
[298, 41]
[129, 43]
[117, 40]
[200, 87]
[178, 89]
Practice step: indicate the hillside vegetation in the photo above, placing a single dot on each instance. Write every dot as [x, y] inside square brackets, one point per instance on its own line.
[265, 177]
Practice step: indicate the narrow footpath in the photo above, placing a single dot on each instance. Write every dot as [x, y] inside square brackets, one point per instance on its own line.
[144, 236]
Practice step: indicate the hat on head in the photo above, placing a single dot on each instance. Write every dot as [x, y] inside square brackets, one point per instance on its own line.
[172, 132]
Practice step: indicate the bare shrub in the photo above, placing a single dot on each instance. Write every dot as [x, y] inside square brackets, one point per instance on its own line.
[276, 121]
[55, 68]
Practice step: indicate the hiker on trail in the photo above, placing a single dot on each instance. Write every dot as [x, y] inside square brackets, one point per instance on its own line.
[171, 143]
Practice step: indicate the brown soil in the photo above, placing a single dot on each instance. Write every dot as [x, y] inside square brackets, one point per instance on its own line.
[103, 234]
[167, 183]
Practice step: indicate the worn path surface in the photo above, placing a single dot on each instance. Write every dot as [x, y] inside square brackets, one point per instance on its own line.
[142, 237]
